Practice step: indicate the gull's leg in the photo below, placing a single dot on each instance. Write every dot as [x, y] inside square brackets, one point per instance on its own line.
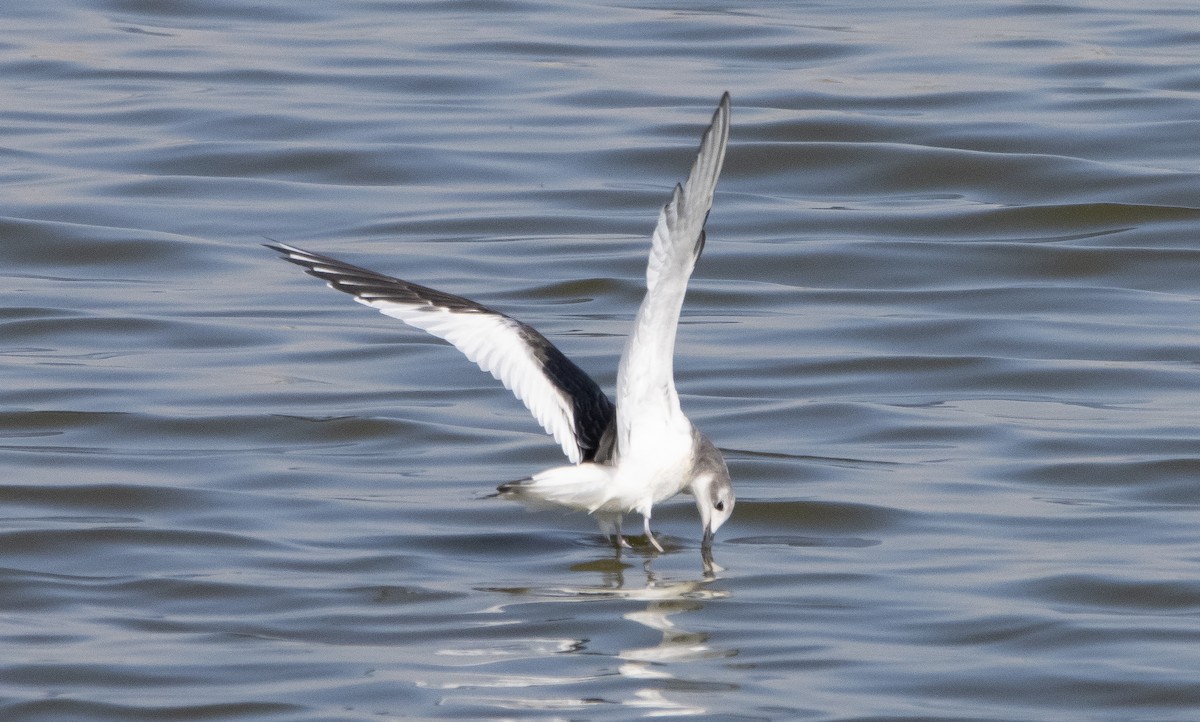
[619, 540]
[646, 526]
[610, 526]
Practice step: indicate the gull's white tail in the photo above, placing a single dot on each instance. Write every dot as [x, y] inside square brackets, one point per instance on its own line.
[583, 486]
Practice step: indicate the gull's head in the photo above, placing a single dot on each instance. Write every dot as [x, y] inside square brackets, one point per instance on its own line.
[711, 486]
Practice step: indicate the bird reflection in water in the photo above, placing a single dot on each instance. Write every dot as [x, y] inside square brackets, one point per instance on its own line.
[657, 669]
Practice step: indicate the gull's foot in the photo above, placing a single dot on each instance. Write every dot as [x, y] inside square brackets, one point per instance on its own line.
[649, 534]
[654, 541]
[635, 542]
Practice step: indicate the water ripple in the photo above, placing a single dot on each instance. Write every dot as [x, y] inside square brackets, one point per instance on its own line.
[944, 330]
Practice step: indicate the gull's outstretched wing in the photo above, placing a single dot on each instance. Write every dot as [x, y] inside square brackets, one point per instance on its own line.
[565, 400]
[645, 379]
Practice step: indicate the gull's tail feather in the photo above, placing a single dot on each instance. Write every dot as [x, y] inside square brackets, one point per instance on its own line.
[585, 486]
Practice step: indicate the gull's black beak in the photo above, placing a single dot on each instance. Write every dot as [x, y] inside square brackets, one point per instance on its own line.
[710, 567]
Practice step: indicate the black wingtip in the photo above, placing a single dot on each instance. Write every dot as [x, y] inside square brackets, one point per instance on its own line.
[511, 487]
[281, 248]
[722, 106]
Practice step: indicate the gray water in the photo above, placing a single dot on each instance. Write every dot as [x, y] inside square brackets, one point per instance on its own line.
[946, 330]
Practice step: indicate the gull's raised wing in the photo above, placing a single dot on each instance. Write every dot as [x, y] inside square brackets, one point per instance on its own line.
[645, 379]
[566, 401]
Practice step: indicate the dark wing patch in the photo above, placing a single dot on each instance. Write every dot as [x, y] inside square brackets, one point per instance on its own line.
[594, 413]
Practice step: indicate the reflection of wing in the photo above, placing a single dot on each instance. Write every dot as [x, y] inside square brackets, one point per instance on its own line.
[565, 400]
[645, 379]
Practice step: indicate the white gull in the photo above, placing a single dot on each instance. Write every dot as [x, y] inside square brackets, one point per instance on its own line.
[624, 458]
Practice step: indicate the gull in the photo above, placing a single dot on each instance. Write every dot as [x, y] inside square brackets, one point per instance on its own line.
[626, 457]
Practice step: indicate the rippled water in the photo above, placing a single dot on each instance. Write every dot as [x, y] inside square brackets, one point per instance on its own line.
[946, 330]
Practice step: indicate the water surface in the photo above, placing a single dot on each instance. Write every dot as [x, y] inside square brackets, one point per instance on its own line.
[945, 331]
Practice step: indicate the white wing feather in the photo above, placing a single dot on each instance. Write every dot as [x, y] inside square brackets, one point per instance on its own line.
[498, 344]
[495, 344]
[645, 378]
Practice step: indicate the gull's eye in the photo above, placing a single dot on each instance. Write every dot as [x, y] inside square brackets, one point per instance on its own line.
[720, 506]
